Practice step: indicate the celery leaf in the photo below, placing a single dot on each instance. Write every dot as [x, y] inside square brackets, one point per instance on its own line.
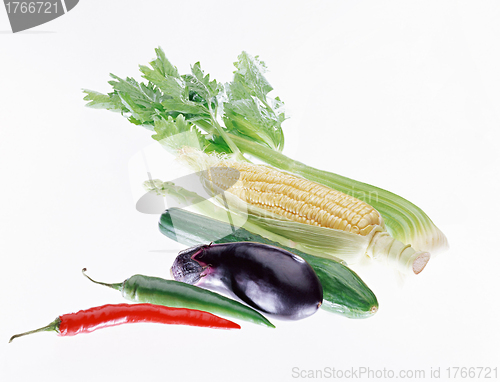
[249, 110]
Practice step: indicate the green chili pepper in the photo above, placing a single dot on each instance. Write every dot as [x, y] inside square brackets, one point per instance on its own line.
[158, 291]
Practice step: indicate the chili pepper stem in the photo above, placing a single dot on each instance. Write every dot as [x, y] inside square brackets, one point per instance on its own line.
[53, 326]
[117, 286]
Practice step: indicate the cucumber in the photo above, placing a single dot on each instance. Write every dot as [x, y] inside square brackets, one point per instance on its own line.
[343, 290]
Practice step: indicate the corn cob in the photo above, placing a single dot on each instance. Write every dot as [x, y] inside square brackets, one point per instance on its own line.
[278, 195]
[295, 198]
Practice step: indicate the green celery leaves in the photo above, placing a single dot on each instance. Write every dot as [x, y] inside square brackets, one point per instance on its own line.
[170, 103]
[175, 134]
[249, 110]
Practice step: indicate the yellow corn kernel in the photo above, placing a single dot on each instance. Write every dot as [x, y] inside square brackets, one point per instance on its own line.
[295, 198]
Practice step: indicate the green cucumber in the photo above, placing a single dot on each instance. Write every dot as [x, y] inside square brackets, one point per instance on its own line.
[343, 290]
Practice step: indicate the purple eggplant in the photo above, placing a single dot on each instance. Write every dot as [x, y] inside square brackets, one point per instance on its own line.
[267, 278]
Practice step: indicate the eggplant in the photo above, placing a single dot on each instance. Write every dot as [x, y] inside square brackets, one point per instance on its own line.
[265, 277]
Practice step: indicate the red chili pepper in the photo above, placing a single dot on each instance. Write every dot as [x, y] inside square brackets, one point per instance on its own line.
[86, 321]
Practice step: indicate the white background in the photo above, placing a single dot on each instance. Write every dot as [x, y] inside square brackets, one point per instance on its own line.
[400, 94]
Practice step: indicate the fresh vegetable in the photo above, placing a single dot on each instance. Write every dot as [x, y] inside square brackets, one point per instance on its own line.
[267, 278]
[297, 205]
[343, 290]
[86, 321]
[405, 221]
[155, 290]
[312, 239]
[292, 197]
[186, 110]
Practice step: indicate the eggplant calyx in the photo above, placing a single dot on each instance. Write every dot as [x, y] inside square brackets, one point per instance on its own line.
[186, 269]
